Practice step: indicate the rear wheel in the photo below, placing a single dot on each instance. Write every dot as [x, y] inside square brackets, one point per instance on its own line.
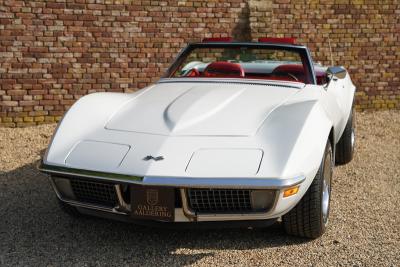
[345, 146]
[309, 217]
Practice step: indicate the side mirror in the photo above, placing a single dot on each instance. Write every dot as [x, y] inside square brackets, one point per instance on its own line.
[334, 73]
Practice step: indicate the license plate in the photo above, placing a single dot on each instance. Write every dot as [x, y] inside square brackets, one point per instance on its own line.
[153, 203]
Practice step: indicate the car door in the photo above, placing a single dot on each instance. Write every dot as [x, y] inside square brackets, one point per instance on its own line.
[340, 93]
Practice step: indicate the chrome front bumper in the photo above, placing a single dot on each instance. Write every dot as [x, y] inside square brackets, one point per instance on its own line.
[181, 182]
[184, 213]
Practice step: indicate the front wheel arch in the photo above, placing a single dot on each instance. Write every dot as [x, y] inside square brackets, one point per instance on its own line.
[332, 141]
[344, 149]
[309, 217]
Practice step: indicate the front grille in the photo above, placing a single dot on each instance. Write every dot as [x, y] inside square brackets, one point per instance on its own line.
[219, 200]
[94, 192]
[178, 199]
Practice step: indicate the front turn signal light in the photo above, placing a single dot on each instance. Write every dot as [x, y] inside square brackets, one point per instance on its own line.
[291, 191]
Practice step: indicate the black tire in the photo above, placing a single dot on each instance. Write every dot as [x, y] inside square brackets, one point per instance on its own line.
[345, 146]
[307, 218]
[70, 210]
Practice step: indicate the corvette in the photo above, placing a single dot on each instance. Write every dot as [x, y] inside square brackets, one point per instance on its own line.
[234, 133]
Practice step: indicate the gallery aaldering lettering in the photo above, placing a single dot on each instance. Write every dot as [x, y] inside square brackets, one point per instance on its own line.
[154, 211]
[155, 203]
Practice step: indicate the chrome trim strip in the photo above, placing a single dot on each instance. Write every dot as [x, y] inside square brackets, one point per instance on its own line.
[116, 177]
[82, 204]
[266, 82]
[231, 183]
[193, 216]
[181, 182]
[185, 207]
[121, 202]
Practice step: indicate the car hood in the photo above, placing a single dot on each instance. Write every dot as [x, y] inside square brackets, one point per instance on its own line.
[200, 108]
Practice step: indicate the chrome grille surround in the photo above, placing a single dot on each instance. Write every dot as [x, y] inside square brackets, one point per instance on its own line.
[94, 192]
[219, 200]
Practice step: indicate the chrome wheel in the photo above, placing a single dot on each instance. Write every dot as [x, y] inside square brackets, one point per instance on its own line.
[353, 131]
[326, 187]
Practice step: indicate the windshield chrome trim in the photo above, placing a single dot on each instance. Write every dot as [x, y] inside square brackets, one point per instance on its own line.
[308, 62]
[233, 80]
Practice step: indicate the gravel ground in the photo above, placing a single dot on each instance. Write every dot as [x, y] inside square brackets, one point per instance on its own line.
[364, 224]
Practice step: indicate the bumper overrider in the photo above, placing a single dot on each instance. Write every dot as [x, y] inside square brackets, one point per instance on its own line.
[172, 199]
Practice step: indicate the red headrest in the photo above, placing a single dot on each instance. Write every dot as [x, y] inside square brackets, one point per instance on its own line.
[219, 39]
[224, 69]
[277, 40]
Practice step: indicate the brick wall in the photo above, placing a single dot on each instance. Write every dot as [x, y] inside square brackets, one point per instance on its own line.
[53, 52]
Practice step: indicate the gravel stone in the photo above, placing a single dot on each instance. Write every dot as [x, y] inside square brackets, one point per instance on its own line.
[363, 228]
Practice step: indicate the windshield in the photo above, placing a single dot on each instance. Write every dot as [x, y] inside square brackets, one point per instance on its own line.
[244, 62]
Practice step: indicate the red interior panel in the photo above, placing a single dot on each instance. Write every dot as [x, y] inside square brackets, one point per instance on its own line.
[294, 69]
[193, 73]
[224, 70]
[277, 40]
[321, 77]
[220, 39]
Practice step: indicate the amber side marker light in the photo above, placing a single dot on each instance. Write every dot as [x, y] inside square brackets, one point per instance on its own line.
[291, 191]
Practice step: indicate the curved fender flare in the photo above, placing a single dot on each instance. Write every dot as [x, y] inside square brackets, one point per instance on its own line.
[88, 114]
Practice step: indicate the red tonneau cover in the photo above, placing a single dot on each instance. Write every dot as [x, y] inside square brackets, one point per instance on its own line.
[217, 39]
[277, 40]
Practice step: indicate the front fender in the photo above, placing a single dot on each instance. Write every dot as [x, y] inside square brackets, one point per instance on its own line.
[296, 135]
[89, 114]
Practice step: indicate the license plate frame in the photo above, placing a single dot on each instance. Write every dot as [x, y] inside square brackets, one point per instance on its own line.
[153, 203]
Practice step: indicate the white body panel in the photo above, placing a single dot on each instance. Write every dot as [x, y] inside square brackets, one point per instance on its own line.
[206, 129]
[198, 109]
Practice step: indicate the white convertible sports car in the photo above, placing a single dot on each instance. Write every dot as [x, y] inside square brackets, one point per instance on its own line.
[244, 133]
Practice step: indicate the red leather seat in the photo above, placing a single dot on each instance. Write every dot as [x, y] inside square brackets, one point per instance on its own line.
[295, 69]
[224, 70]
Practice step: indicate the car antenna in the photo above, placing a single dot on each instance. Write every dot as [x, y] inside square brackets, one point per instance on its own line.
[330, 50]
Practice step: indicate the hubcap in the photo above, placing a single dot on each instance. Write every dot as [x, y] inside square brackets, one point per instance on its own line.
[353, 131]
[353, 138]
[326, 188]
